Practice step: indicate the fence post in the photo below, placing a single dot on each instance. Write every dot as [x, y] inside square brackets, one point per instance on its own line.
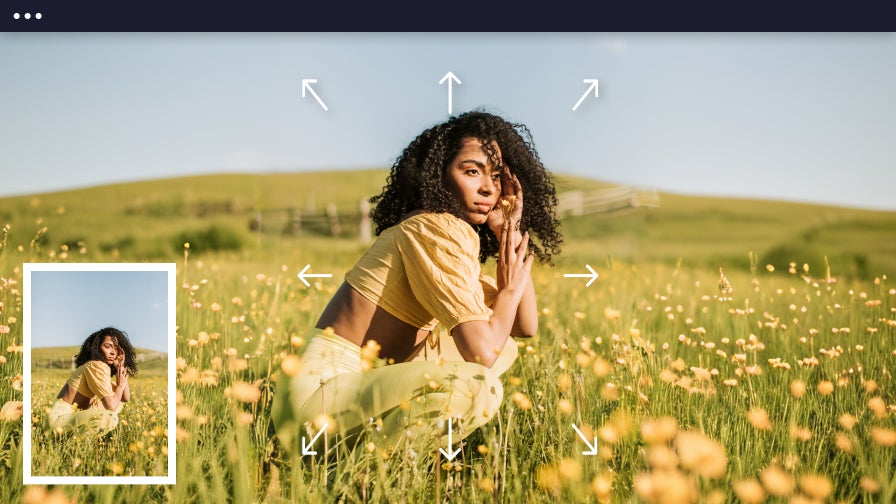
[364, 207]
[577, 202]
[333, 219]
[295, 221]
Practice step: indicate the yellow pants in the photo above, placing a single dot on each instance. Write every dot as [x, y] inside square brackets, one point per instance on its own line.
[96, 420]
[407, 399]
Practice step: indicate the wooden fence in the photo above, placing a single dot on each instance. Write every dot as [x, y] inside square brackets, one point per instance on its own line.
[575, 203]
[331, 222]
[70, 362]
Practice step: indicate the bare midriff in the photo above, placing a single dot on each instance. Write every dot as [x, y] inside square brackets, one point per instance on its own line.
[357, 319]
[72, 396]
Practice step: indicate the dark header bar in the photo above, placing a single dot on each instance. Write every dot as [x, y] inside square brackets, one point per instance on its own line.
[447, 16]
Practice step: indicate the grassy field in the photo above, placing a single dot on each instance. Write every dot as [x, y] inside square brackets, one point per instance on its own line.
[778, 389]
[137, 447]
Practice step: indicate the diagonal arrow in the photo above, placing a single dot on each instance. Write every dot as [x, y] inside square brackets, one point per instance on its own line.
[306, 448]
[449, 454]
[593, 275]
[592, 448]
[302, 275]
[451, 78]
[306, 84]
[592, 86]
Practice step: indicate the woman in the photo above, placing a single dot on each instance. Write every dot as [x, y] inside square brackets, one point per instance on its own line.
[454, 198]
[89, 402]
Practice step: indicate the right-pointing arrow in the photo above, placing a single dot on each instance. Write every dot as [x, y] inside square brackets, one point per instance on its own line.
[592, 86]
[593, 275]
[593, 449]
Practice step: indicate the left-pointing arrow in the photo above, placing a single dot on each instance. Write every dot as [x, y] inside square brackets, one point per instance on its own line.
[306, 85]
[302, 275]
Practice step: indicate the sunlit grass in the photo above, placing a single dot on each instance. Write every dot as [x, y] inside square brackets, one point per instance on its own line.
[778, 387]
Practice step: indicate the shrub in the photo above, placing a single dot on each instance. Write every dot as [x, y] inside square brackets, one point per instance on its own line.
[800, 253]
[212, 238]
[122, 244]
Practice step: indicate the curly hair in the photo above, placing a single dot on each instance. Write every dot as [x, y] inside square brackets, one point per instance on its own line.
[418, 180]
[92, 349]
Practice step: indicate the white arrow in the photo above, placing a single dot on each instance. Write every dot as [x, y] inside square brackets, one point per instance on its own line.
[306, 84]
[592, 86]
[593, 275]
[451, 78]
[306, 448]
[592, 448]
[449, 454]
[302, 275]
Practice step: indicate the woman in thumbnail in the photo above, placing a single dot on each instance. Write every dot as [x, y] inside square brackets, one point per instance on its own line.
[89, 402]
[463, 191]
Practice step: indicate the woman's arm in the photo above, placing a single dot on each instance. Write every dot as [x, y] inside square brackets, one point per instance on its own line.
[506, 218]
[525, 324]
[122, 392]
[481, 341]
[126, 394]
[111, 402]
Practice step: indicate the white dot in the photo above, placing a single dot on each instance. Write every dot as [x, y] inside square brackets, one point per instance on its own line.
[16, 16]
[27, 15]
[38, 15]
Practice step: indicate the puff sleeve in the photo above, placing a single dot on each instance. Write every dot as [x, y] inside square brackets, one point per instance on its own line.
[97, 378]
[440, 254]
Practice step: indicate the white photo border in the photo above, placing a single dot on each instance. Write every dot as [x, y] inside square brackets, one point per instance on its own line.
[28, 478]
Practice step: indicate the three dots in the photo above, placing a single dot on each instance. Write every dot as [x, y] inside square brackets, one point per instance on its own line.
[27, 15]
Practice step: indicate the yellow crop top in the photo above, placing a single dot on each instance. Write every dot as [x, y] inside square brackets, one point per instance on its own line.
[92, 379]
[425, 270]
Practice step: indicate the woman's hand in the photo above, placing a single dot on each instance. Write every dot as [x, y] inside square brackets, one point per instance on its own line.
[123, 379]
[514, 261]
[121, 370]
[122, 392]
[509, 210]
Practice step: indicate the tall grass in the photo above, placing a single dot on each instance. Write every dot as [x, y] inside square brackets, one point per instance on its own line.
[780, 386]
[787, 371]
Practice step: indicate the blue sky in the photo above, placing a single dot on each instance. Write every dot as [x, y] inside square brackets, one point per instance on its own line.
[68, 306]
[805, 117]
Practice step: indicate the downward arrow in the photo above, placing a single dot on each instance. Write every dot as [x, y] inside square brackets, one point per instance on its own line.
[306, 449]
[451, 78]
[449, 454]
[592, 448]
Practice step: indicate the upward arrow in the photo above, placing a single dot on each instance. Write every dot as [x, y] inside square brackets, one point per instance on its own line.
[451, 78]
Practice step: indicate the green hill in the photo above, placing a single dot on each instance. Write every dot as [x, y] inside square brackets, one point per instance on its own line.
[254, 215]
[60, 358]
